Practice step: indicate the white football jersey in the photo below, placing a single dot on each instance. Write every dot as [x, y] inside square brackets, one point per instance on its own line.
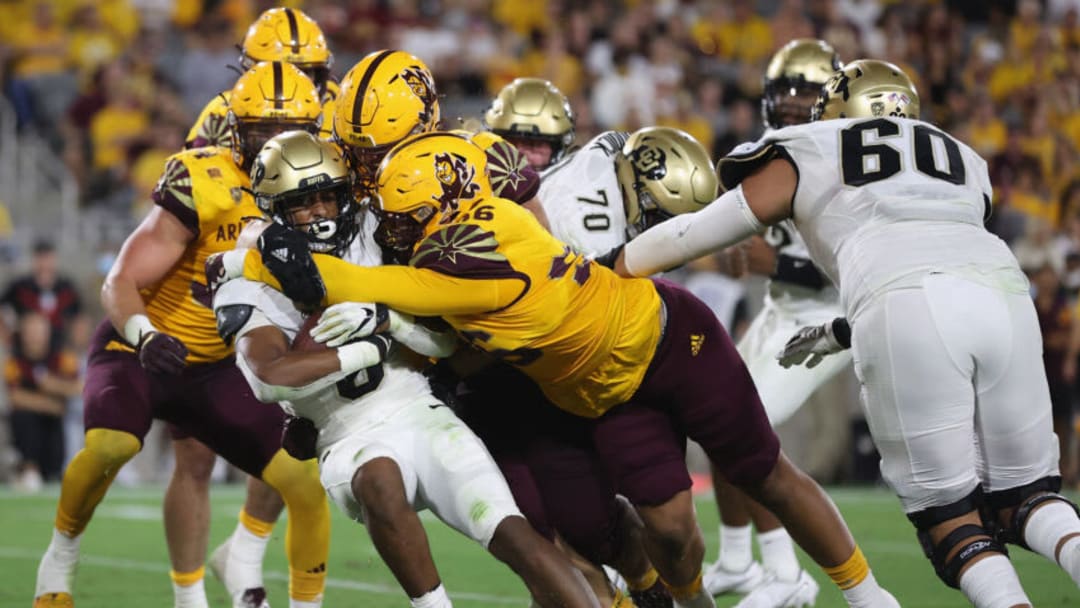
[581, 197]
[335, 409]
[788, 290]
[883, 202]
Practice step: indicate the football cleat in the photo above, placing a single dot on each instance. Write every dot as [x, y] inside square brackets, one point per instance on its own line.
[54, 600]
[251, 597]
[718, 580]
[774, 593]
[656, 596]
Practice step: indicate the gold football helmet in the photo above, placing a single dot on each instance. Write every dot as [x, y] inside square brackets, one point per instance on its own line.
[386, 97]
[868, 88]
[295, 171]
[425, 178]
[288, 35]
[663, 172]
[794, 79]
[533, 109]
[268, 99]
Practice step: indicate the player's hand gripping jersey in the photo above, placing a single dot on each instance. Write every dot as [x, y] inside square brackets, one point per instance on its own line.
[211, 196]
[872, 219]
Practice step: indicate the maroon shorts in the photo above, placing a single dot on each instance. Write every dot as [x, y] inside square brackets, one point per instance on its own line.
[547, 458]
[210, 402]
[697, 386]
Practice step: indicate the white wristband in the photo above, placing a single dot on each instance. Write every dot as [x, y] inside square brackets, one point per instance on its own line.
[233, 262]
[358, 355]
[136, 327]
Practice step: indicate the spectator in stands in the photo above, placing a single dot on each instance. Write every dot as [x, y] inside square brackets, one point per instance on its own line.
[45, 292]
[40, 380]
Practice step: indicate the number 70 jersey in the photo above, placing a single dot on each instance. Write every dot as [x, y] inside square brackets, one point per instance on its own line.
[881, 202]
[582, 199]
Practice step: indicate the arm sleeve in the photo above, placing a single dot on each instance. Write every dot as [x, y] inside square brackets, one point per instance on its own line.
[726, 221]
[416, 291]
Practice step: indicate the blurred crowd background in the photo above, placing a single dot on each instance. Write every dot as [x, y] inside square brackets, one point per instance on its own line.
[98, 93]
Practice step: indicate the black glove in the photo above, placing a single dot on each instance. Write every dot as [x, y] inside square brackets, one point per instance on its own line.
[161, 353]
[608, 259]
[286, 255]
[298, 438]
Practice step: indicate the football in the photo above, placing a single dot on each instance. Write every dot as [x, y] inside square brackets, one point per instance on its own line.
[303, 341]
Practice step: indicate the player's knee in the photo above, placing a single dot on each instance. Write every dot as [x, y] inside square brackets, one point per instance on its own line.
[193, 460]
[378, 486]
[962, 544]
[297, 481]
[1012, 508]
[672, 531]
[114, 448]
[598, 537]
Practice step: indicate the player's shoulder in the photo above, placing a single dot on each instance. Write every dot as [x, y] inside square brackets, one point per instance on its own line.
[607, 143]
[597, 152]
[508, 170]
[186, 171]
[472, 248]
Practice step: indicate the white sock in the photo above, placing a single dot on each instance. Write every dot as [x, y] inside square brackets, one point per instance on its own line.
[778, 554]
[867, 594]
[295, 603]
[246, 552]
[735, 548]
[436, 598]
[992, 583]
[56, 571]
[1045, 528]
[701, 600]
[190, 596]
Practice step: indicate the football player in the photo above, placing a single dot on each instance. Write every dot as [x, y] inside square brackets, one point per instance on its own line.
[159, 355]
[280, 34]
[944, 335]
[387, 446]
[388, 96]
[536, 117]
[797, 294]
[644, 359]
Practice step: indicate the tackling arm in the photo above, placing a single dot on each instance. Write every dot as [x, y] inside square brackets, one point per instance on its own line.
[415, 291]
[763, 198]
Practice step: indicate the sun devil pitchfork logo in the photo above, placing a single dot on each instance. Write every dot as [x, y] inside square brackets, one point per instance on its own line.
[420, 83]
[456, 178]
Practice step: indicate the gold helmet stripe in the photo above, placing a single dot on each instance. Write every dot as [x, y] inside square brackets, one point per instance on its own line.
[279, 87]
[294, 30]
[361, 89]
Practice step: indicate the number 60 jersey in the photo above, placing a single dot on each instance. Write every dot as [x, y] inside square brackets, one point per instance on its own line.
[882, 202]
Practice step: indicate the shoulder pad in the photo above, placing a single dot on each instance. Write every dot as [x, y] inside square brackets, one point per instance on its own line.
[609, 142]
[743, 161]
[231, 318]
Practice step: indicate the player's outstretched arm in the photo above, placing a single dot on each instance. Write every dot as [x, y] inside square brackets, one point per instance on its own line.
[761, 199]
[146, 257]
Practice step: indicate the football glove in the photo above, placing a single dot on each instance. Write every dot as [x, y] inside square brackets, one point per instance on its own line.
[608, 259]
[298, 438]
[286, 255]
[160, 353]
[810, 345]
[348, 321]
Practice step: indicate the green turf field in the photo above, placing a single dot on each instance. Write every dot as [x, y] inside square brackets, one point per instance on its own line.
[125, 564]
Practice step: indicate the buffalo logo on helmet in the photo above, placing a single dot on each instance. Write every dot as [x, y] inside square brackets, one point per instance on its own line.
[456, 178]
[649, 162]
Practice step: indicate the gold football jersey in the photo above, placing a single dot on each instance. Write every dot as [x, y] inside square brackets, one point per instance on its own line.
[211, 195]
[507, 286]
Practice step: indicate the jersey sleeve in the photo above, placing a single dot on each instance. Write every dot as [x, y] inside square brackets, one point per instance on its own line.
[212, 126]
[266, 307]
[173, 193]
[417, 291]
[815, 166]
[510, 174]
